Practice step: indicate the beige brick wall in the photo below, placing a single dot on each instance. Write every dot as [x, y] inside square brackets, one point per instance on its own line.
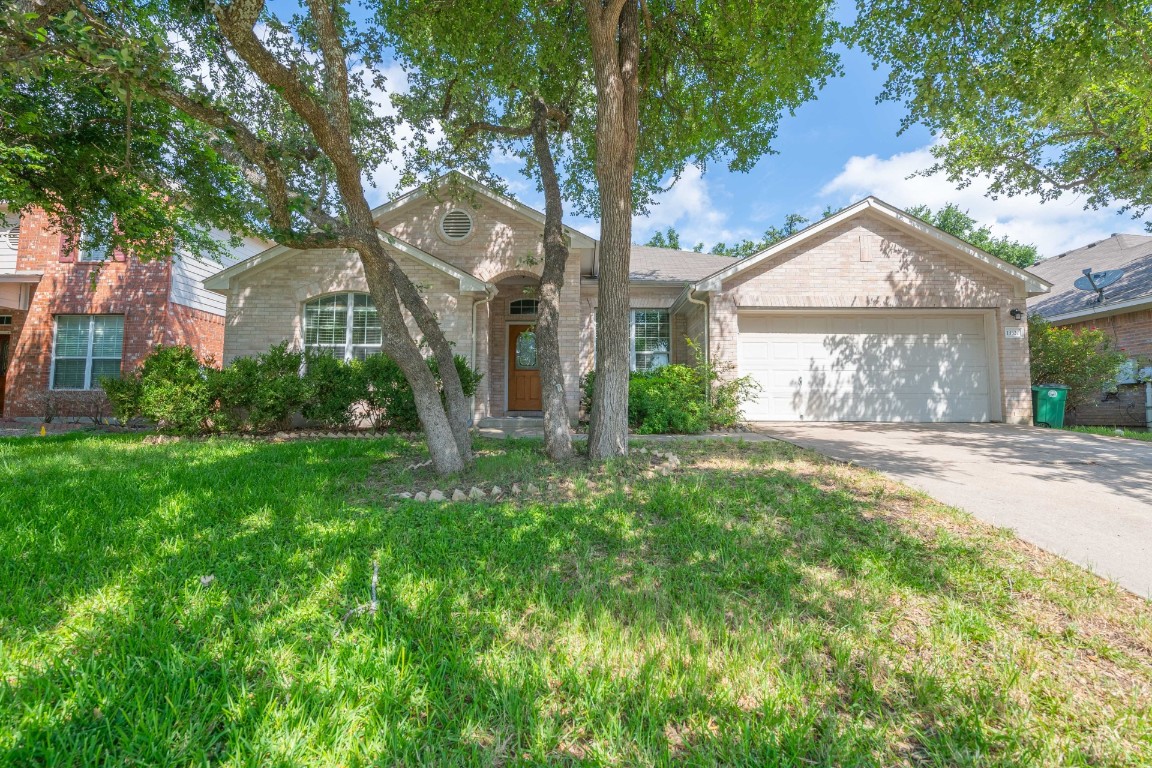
[866, 263]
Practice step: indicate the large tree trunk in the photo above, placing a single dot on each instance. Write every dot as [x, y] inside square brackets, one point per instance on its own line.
[328, 117]
[557, 424]
[615, 59]
[459, 415]
[380, 273]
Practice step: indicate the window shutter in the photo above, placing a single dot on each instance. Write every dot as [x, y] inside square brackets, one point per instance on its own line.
[119, 255]
[66, 257]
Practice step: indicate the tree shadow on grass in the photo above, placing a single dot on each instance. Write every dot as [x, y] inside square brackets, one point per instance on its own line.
[748, 615]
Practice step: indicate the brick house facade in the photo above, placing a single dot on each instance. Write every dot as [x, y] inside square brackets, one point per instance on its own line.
[1123, 311]
[868, 315]
[154, 303]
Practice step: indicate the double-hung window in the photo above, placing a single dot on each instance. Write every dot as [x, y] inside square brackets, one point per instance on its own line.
[651, 339]
[86, 348]
[344, 325]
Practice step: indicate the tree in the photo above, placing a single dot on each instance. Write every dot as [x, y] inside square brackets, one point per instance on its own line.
[958, 223]
[1043, 96]
[668, 238]
[285, 108]
[500, 77]
[676, 84]
[1082, 360]
[793, 223]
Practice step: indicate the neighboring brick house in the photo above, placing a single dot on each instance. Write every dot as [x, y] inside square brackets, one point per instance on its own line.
[1124, 313]
[868, 315]
[68, 318]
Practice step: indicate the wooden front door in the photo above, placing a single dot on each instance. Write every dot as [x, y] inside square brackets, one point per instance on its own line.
[523, 371]
[4, 342]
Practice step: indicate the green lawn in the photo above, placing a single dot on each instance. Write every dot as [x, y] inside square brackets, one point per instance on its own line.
[1131, 434]
[759, 607]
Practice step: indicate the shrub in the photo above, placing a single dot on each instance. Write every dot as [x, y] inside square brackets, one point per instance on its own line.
[391, 403]
[680, 399]
[332, 389]
[260, 393]
[123, 396]
[670, 399]
[1084, 361]
[174, 391]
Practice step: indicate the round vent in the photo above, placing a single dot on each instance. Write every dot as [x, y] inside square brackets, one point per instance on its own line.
[456, 225]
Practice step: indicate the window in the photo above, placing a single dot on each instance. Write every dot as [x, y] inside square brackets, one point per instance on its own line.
[526, 351]
[523, 307]
[91, 254]
[5, 319]
[9, 231]
[344, 325]
[456, 225]
[86, 348]
[651, 339]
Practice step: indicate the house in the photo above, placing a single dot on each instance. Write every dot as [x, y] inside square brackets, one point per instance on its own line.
[1122, 309]
[67, 318]
[868, 315]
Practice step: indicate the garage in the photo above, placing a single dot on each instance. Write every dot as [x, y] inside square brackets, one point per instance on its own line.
[910, 366]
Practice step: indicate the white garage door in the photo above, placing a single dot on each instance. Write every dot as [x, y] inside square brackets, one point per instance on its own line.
[866, 367]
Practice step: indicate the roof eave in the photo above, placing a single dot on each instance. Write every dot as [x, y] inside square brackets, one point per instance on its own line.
[1106, 310]
[421, 192]
[1032, 284]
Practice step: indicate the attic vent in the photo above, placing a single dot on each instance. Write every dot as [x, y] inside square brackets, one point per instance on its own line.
[456, 225]
[10, 236]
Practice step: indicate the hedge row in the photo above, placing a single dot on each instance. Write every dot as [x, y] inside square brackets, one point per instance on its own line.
[172, 388]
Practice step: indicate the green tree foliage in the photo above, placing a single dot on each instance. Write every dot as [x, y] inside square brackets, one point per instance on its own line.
[1043, 96]
[1085, 361]
[958, 223]
[666, 238]
[279, 111]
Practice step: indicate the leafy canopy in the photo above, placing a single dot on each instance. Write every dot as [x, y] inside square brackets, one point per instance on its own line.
[1043, 96]
[956, 222]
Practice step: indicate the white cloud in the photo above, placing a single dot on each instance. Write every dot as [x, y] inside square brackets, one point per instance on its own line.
[1054, 227]
[688, 206]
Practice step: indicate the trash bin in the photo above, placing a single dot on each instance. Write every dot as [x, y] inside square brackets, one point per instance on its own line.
[1048, 405]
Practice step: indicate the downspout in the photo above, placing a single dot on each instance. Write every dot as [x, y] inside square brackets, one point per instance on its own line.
[1148, 404]
[490, 292]
[707, 322]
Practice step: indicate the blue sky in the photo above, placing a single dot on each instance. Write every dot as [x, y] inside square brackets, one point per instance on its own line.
[835, 150]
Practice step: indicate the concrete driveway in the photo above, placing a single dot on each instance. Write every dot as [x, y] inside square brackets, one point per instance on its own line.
[1084, 497]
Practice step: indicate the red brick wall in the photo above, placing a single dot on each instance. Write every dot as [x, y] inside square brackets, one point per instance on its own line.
[136, 290]
[1131, 332]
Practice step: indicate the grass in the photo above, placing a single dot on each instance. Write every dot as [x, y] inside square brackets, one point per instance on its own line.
[761, 606]
[1131, 434]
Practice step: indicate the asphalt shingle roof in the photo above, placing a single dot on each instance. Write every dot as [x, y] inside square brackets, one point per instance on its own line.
[1131, 253]
[667, 264]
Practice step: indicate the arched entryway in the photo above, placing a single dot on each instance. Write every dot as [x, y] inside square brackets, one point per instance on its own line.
[513, 372]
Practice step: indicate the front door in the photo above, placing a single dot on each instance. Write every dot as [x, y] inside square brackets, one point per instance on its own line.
[4, 340]
[523, 371]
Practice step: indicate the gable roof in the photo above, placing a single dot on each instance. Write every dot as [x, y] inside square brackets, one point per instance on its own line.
[468, 282]
[1131, 253]
[1029, 282]
[578, 238]
[651, 264]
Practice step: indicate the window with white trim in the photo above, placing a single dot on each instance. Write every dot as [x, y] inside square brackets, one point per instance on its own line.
[523, 306]
[344, 325]
[651, 339]
[85, 349]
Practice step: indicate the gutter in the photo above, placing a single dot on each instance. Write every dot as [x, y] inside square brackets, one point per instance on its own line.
[1131, 305]
[707, 322]
[490, 292]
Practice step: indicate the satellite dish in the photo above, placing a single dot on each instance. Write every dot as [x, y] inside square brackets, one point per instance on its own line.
[1098, 281]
